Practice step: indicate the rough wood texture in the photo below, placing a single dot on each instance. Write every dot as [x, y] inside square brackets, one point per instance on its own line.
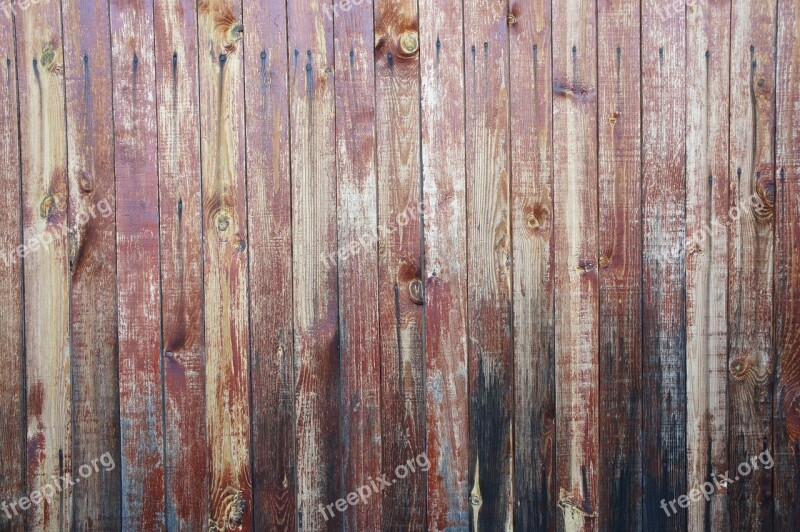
[531, 101]
[576, 279]
[12, 390]
[138, 288]
[92, 261]
[181, 265]
[707, 99]
[620, 250]
[270, 223]
[489, 263]
[43, 147]
[222, 149]
[444, 197]
[316, 302]
[786, 428]
[358, 270]
[750, 301]
[397, 92]
[663, 268]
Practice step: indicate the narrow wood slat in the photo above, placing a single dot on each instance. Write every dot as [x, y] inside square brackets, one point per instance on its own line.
[750, 303]
[224, 193]
[358, 262]
[663, 270]
[531, 102]
[175, 34]
[138, 283]
[270, 223]
[397, 119]
[12, 390]
[707, 128]
[92, 258]
[620, 241]
[786, 409]
[575, 168]
[316, 302]
[45, 197]
[489, 262]
[444, 203]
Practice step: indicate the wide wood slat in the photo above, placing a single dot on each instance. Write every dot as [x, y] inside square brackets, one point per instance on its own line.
[185, 469]
[92, 261]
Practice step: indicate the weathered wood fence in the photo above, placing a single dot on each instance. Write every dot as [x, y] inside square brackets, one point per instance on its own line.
[400, 265]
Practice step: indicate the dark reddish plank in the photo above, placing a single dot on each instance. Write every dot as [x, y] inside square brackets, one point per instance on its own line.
[397, 120]
[575, 167]
[12, 390]
[707, 127]
[316, 302]
[786, 427]
[620, 241]
[531, 100]
[43, 148]
[444, 197]
[360, 358]
[269, 205]
[750, 301]
[489, 263]
[663, 269]
[224, 192]
[92, 257]
[138, 288]
[175, 33]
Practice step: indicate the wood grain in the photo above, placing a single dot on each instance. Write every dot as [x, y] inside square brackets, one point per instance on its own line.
[12, 386]
[707, 127]
[314, 236]
[531, 102]
[175, 33]
[43, 146]
[489, 263]
[444, 198]
[786, 409]
[750, 303]
[397, 124]
[575, 167]
[357, 224]
[269, 205]
[138, 283]
[222, 148]
[620, 249]
[663, 268]
[92, 261]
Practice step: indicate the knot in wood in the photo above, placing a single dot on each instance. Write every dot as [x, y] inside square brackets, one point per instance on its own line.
[415, 291]
[409, 42]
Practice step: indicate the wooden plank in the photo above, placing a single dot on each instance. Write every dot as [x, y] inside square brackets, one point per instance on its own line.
[222, 149]
[397, 91]
[12, 386]
[360, 358]
[575, 169]
[489, 263]
[269, 205]
[707, 127]
[531, 81]
[444, 204]
[92, 256]
[663, 269]
[175, 34]
[316, 302]
[620, 241]
[786, 424]
[43, 144]
[138, 283]
[750, 303]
